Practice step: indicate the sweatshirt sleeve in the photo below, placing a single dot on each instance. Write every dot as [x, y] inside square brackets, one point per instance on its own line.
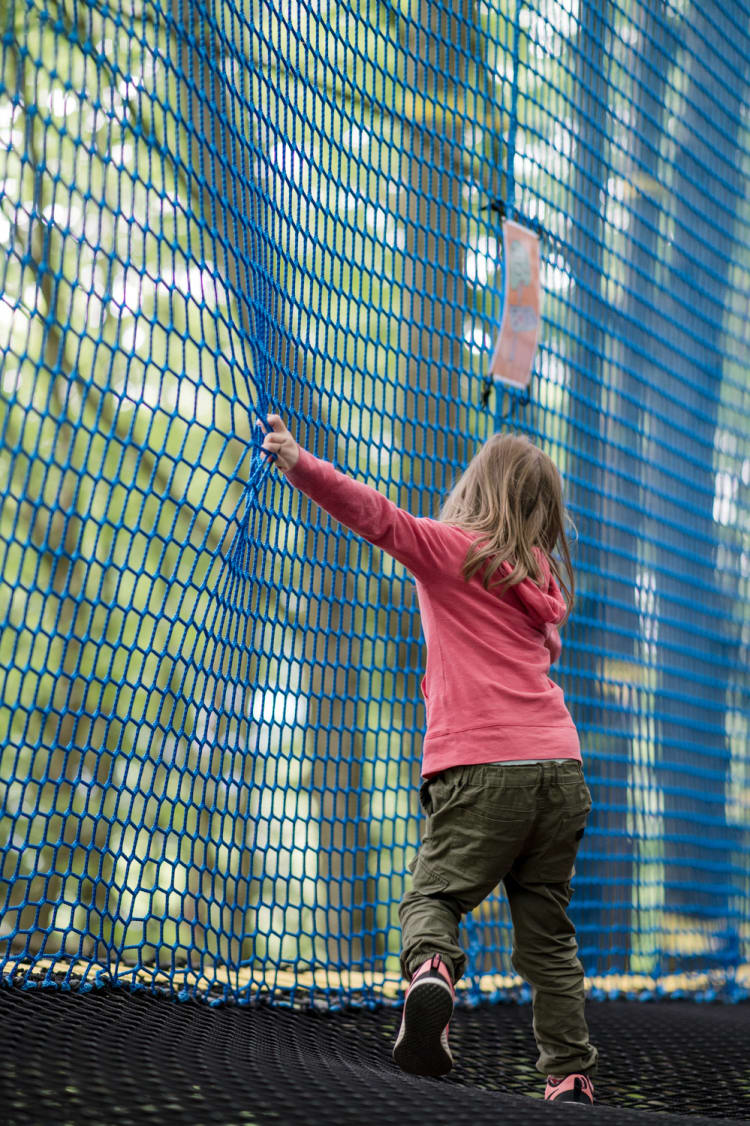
[412, 540]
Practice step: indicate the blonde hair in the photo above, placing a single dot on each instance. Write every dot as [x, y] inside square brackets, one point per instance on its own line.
[511, 492]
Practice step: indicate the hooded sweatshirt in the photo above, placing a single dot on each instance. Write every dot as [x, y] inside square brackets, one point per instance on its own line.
[488, 696]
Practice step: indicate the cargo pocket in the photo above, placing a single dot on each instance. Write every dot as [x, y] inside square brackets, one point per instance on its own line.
[426, 878]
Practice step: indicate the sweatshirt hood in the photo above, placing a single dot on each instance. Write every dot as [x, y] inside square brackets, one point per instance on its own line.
[546, 603]
[543, 603]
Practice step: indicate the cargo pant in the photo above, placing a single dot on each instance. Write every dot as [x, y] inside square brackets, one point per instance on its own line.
[521, 825]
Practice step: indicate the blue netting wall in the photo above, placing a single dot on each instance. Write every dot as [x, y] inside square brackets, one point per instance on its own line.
[210, 715]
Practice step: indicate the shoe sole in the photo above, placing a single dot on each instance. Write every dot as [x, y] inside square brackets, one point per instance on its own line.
[569, 1097]
[421, 1048]
[582, 1100]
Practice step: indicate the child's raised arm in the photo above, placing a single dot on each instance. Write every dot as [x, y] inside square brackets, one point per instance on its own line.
[413, 540]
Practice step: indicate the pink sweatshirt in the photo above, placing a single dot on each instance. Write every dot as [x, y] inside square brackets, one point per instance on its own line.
[488, 696]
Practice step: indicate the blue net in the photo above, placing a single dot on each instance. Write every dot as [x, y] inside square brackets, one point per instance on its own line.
[210, 716]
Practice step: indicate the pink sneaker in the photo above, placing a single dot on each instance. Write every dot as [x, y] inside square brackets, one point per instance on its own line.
[422, 1043]
[576, 1088]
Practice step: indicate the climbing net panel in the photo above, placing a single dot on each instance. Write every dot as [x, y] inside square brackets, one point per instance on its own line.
[210, 718]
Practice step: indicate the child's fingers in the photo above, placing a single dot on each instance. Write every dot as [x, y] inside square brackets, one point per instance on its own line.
[275, 420]
[275, 435]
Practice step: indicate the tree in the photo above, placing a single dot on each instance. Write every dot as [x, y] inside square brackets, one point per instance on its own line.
[631, 612]
[595, 639]
[693, 655]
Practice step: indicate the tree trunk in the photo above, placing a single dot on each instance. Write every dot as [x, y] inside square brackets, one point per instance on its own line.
[693, 655]
[593, 645]
[432, 415]
[632, 613]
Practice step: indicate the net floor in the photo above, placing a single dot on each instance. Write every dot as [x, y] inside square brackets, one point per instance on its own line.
[111, 1056]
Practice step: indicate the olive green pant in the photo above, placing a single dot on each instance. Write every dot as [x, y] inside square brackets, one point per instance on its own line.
[521, 825]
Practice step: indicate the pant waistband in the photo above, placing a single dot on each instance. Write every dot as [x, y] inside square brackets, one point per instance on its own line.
[526, 761]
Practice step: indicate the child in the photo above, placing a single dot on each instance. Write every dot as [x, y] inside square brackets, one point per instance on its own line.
[503, 789]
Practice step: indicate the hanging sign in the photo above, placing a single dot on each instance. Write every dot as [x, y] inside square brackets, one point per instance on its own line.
[513, 357]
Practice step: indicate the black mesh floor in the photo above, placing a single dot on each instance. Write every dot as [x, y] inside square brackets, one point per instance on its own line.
[111, 1057]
